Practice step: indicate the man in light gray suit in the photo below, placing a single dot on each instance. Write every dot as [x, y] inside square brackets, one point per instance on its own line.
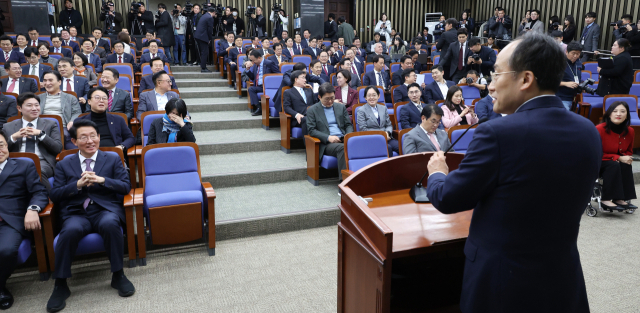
[56, 102]
[427, 137]
[374, 116]
[156, 99]
[120, 99]
[590, 35]
[34, 134]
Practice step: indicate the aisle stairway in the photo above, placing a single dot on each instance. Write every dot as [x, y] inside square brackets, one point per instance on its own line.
[260, 189]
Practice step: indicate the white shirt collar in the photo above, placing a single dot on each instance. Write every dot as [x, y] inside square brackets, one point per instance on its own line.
[34, 122]
[70, 78]
[532, 99]
[113, 90]
[425, 131]
[93, 157]
[3, 164]
[158, 94]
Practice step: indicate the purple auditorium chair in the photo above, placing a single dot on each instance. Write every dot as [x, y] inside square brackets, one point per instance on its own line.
[397, 111]
[635, 90]
[469, 93]
[593, 68]
[436, 60]
[177, 206]
[147, 119]
[147, 69]
[368, 67]
[585, 75]
[362, 99]
[286, 131]
[428, 79]
[55, 56]
[462, 145]
[632, 102]
[270, 85]
[306, 59]
[394, 67]
[285, 67]
[362, 149]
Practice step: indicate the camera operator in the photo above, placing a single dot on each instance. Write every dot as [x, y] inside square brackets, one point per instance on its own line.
[621, 27]
[572, 75]
[282, 22]
[235, 24]
[180, 27]
[617, 79]
[144, 17]
[113, 19]
[164, 29]
[483, 57]
[260, 22]
[626, 29]
[473, 79]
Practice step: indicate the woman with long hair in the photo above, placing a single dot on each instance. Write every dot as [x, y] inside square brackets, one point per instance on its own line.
[397, 47]
[80, 62]
[568, 29]
[455, 112]
[383, 27]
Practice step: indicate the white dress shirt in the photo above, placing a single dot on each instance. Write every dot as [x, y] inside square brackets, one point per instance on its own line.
[345, 93]
[443, 88]
[37, 70]
[16, 87]
[23, 146]
[161, 100]
[378, 78]
[2, 165]
[64, 83]
[84, 165]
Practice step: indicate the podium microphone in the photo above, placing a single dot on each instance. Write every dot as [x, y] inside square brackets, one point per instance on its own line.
[418, 193]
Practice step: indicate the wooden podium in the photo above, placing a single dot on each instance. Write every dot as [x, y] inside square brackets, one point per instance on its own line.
[395, 255]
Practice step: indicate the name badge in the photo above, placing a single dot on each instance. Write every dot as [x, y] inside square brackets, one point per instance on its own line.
[575, 78]
[113, 24]
[194, 28]
[582, 42]
[142, 23]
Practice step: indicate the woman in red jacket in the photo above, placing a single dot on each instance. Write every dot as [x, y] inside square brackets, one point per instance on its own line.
[617, 145]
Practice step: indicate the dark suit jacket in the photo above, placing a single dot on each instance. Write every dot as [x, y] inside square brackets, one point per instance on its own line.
[294, 104]
[484, 108]
[146, 58]
[396, 78]
[387, 59]
[20, 187]
[331, 29]
[268, 68]
[309, 51]
[74, 46]
[101, 53]
[122, 103]
[69, 199]
[8, 109]
[318, 127]
[127, 58]
[617, 80]
[96, 61]
[410, 116]
[80, 85]
[232, 56]
[286, 52]
[65, 52]
[118, 128]
[221, 49]
[451, 58]
[370, 79]
[15, 55]
[49, 147]
[446, 39]
[274, 59]
[330, 70]
[286, 81]
[156, 135]
[165, 29]
[304, 43]
[204, 29]
[432, 91]
[269, 51]
[509, 249]
[401, 93]
[104, 44]
[146, 82]
[26, 85]
[488, 57]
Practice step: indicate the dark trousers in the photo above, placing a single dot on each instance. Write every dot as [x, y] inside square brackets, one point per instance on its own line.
[302, 124]
[47, 171]
[458, 75]
[253, 94]
[75, 227]
[233, 69]
[617, 181]
[392, 145]
[337, 150]
[203, 47]
[10, 240]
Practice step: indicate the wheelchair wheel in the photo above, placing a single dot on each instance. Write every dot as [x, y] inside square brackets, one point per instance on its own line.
[591, 211]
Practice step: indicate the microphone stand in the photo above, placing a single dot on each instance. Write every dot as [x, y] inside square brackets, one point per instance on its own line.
[418, 193]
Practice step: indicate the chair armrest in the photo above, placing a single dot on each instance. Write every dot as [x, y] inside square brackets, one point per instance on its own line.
[264, 102]
[46, 211]
[138, 196]
[134, 121]
[395, 134]
[211, 194]
[312, 145]
[211, 212]
[583, 109]
[135, 150]
[128, 199]
[346, 174]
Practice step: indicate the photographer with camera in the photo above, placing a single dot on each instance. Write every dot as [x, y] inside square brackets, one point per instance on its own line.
[180, 28]
[621, 27]
[439, 28]
[554, 24]
[483, 57]
[164, 29]
[473, 79]
[280, 20]
[626, 29]
[572, 79]
[235, 24]
[619, 78]
[112, 19]
[193, 16]
[260, 23]
[141, 20]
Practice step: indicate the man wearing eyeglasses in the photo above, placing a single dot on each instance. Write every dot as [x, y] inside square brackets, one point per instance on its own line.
[113, 129]
[34, 67]
[157, 98]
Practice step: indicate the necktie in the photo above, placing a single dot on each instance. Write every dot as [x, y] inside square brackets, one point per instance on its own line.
[324, 67]
[33, 44]
[88, 169]
[291, 51]
[69, 85]
[433, 140]
[31, 142]
[153, 56]
[13, 84]
[353, 69]
[302, 94]
[33, 70]
[420, 107]
[110, 99]
[119, 59]
[380, 79]
[239, 50]
[57, 50]
[460, 58]
[299, 48]
[6, 56]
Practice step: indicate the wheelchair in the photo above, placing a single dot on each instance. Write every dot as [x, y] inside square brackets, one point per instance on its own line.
[596, 196]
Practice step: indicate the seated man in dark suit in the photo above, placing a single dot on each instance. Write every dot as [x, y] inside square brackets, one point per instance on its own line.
[222, 50]
[146, 82]
[287, 81]
[256, 68]
[99, 41]
[316, 71]
[360, 52]
[264, 49]
[327, 68]
[459, 64]
[56, 46]
[311, 49]
[419, 67]
[22, 196]
[401, 93]
[34, 67]
[113, 129]
[438, 88]
[67, 41]
[35, 135]
[88, 191]
[70, 82]
[278, 58]
[290, 49]
[87, 49]
[232, 57]
[484, 107]
[99, 51]
[7, 108]
[119, 56]
[378, 77]
[8, 54]
[153, 53]
[120, 100]
[297, 99]
[405, 63]
[329, 122]
[157, 98]
[426, 137]
[410, 113]
[15, 83]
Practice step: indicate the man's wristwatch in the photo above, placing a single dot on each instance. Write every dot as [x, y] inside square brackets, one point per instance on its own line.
[34, 208]
[42, 134]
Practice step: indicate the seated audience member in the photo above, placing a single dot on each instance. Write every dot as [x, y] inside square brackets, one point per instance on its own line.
[287, 81]
[21, 42]
[99, 51]
[491, 42]
[174, 126]
[357, 66]
[410, 113]
[438, 88]
[119, 56]
[401, 93]
[619, 78]
[56, 102]
[360, 52]
[153, 53]
[290, 49]
[329, 122]
[34, 67]
[476, 81]
[67, 41]
[378, 77]
[93, 58]
[232, 57]
[222, 50]
[7, 108]
[22, 196]
[316, 71]
[265, 49]
[487, 57]
[311, 49]
[345, 95]
[113, 129]
[15, 83]
[71, 82]
[419, 67]
[297, 99]
[327, 68]
[6, 43]
[277, 57]
[427, 137]
[405, 63]
[119, 99]
[374, 116]
[56, 46]
[89, 201]
[617, 145]
[146, 82]
[79, 69]
[355, 82]
[43, 53]
[371, 44]
[126, 42]
[572, 75]
[455, 111]
[157, 98]
[484, 107]
[256, 68]
[35, 135]
[377, 51]
[99, 41]
[149, 35]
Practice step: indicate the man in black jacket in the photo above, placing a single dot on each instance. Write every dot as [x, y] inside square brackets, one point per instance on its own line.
[448, 36]
[144, 20]
[164, 30]
[632, 34]
[331, 27]
[619, 78]
[69, 16]
[204, 35]
[486, 55]
[113, 20]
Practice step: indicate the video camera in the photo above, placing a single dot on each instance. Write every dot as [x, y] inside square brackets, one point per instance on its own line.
[105, 7]
[584, 86]
[277, 7]
[219, 9]
[175, 9]
[135, 7]
[622, 27]
[251, 10]
[188, 9]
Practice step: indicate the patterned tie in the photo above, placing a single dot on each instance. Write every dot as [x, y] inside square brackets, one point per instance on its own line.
[119, 59]
[69, 85]
[33, 70]
[353, 69]
[6, 56]
[13, 85]
[325, 70]
[110, 99]
[57, 50]
[88, 169]
[31, 142]
[299, 48]
[381, 80]
[420, 107]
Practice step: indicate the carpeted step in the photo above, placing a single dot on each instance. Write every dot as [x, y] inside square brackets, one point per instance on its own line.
[202, 82]
[195, 75]
[224, 120]
[213, 92]
[193, 69]
[226, 141]
[202, 105]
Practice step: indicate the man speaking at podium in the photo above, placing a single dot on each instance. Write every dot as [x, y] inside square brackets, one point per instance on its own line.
[529, 176]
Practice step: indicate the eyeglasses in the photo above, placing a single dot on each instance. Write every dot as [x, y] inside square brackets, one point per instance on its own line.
[415, 92]
[2, 146]
[373, 96]
[495, 76]
[85, 138]
[100, 98]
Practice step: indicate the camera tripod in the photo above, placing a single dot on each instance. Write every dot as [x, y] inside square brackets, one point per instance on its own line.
[251, 27]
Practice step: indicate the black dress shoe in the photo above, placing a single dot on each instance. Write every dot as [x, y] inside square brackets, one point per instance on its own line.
[206, 70]
[631, 206]
[257, 113]
[57, 300]
[611, 208]
[6, 299]
[123, 285]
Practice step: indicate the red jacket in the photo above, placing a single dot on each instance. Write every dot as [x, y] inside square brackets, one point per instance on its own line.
[352, 98]
[614, 145]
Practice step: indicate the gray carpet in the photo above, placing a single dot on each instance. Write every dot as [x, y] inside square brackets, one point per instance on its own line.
[236, 135]
[251, 162]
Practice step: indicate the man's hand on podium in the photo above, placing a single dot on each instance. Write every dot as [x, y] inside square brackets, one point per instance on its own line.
[438, 163]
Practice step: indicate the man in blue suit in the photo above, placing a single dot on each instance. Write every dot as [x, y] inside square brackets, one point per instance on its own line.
[162, 91]
[153, 53]
[70, 82]
[286, 81]
[410, 113]
[517, 261]
[225, 45]
[67, 41]
[56, 46]
[401, 93]
[118, 56]
[378, 77]
[34, 67]
[88, 191]
[484, 107]
[311, 49]
[14, 82]
[327, 68]
[8, 54]
[22, 196]
[256, 68]
[438, 88]
[232, 57]
[204, 35]
[94, 59]
[278, 58]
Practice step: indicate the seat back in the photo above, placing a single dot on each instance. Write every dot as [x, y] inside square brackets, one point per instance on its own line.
[284, 67]
[635, 89]
[428, 79]
[469, 93]
[32, 157]
[586, 75]
[270, 85]
[159, 178]
[401, 139]
[58, 121]
[361, 97]
[632, 102]
[240, 60]
[306, 59]
[246, 41]
[436, 60]
[637, 76]
[396, 111]
[56, 55]
[394, 67]
[462, 145]
[122, 68]
[36, 80]
[146, 69]
[364, 148]
[593, 68]
[354, 116]
[147, 118]
[368, 67]
[45, 38]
